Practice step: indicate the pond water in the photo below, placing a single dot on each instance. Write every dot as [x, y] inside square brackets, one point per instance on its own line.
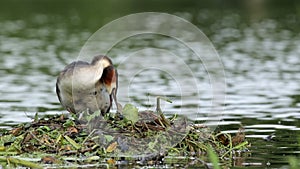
[258, 46]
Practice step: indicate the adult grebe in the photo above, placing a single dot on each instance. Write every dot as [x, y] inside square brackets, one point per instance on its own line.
[84, 86]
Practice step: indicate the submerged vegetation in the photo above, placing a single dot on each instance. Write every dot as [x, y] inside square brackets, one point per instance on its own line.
[138, 138]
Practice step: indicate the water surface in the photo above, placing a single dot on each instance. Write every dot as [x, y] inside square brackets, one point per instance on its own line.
[260, 54]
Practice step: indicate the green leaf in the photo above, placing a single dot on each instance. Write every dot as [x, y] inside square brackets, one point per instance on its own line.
[93, 158]
[130, 112]
[43, 129]
[71, 141]
[6, 139]
[109, 138]
[58, 139]
[213, 157]
[20, 162]
[241, 145]
[69, 123]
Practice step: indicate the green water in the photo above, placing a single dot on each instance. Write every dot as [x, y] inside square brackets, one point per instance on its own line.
[258, 43]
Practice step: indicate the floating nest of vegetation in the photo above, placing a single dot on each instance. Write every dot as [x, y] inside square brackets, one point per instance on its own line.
[138, 138]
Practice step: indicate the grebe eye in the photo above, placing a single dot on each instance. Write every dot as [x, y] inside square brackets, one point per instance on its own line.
[95, 93]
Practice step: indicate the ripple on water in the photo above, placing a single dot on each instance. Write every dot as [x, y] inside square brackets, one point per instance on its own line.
[261, 64]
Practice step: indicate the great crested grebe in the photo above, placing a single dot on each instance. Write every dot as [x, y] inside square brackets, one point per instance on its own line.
[84, 86]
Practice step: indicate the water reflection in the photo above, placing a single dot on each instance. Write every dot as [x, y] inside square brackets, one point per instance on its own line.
[29, 65]
[261, 61]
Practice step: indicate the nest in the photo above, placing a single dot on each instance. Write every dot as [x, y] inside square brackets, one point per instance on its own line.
[151, 136]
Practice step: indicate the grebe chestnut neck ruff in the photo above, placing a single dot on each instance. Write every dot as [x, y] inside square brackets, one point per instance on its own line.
[84, 86]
